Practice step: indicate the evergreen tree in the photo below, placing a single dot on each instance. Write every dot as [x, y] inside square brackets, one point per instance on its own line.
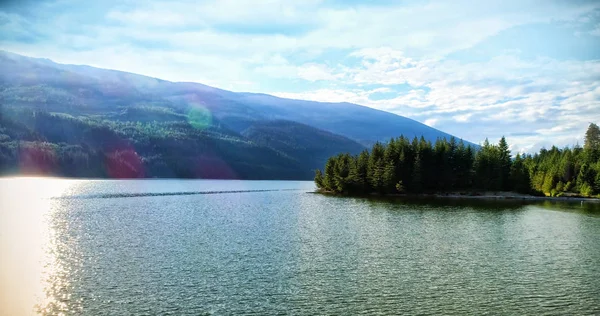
[319, 179]
[389, 177]
[519, 176]
[376, 168]
[592, 137]
[466, 176]
[419, 166]
[362, 167]
[592, 143]
[505, 162]
[483, 167]
[342, 172]
[391, 161]
[417, 176]
[596, 187]
[329, 179]
[441, 162]
[549, 184]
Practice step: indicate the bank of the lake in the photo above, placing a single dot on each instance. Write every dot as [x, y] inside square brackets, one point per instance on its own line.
[472, 196]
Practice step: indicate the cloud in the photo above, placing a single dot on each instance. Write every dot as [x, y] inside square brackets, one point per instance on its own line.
[476, 100]
[316, 72]
[431, 122]
[473, 69]
[281, 68]
[463, 117]
[216, 13]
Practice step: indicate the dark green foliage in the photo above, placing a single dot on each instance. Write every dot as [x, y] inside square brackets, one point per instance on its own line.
[592, 137]
[401, 166]
[417, 175]
[505, 162]
[319, 179]
[161, 144]
[329, 179]
[519, 176]
[376, 168]
[563, 171]
[592, 143]
[360, 172]
[307, 145]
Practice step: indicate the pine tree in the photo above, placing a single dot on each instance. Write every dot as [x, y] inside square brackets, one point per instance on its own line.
[419, 166]
[342, 171]
[441, 164]
[426, 173]
[376, 168]
[592, 143]
[519, 176]
[389, 177]
[505, 162]
[549, 184]
[319, 179]
[596, 187]
[417, 176]
[328, 180]
[392, 160]
[483, 168]
[592, 137]
[362, 166]
[468, 161]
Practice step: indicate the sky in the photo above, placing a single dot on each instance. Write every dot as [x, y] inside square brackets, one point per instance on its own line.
[525, 69]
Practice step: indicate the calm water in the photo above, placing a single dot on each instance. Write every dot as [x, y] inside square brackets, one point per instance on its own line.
[190, 247]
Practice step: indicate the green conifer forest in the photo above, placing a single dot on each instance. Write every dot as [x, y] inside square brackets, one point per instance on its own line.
[419, 166]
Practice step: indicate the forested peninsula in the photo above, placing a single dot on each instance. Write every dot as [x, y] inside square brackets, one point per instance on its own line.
[417, 166]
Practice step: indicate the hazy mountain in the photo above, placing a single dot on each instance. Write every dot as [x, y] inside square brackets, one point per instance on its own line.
[173, 126]
[308, 145]
[88, 89]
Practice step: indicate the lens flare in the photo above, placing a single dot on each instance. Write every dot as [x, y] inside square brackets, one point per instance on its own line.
[199, 116]
[210, 166]
[37, 158]
[124, 163]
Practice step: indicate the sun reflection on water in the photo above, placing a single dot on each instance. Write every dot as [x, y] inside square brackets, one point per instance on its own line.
[30, 267]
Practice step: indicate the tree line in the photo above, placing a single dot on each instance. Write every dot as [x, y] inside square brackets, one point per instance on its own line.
[420, 166]
[36, 142]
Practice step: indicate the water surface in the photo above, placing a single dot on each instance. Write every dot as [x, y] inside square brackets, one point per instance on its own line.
[107, 247]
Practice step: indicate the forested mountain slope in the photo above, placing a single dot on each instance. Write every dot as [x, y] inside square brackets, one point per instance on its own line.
[156, 128]
[306, 144]
[42, 83]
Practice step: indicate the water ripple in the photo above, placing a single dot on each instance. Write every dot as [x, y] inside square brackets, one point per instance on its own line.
[145, 194]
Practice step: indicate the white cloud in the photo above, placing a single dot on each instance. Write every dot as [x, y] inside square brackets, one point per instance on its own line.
[310, 71]
[556, 99]
[315, 72]
[204, 13]
[249, 45]
[329, 95]
[463, 117]
[431, 122]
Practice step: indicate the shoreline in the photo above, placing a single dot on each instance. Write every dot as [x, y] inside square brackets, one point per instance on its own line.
[505, 196]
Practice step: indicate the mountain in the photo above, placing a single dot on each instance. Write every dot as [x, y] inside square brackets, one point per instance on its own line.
[105, 119]
[304, 143]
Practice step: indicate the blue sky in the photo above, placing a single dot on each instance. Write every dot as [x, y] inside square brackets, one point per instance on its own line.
[529, 70]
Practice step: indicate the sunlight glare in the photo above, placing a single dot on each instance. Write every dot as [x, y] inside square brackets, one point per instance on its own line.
[28, 259]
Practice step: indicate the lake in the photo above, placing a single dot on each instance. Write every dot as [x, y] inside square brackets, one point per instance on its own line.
[208, 247]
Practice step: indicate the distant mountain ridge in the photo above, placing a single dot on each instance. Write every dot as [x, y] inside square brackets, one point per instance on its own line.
[292, 135]
[302, 142]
